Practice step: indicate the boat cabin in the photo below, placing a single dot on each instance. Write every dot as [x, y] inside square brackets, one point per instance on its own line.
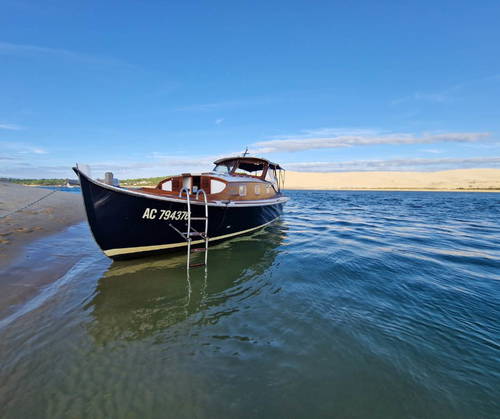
[232, 179]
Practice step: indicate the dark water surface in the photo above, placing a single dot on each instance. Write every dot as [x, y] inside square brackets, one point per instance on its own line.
[354, 305]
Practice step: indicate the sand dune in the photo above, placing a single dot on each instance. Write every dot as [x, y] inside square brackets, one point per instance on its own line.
[466, 179]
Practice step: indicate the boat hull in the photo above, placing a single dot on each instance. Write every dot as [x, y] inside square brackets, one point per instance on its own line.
[127, 224]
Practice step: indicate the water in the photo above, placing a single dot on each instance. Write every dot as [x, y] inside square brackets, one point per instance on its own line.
[73, 189]
[355, 304]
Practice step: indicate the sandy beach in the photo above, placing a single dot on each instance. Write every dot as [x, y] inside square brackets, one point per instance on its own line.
[449, 180]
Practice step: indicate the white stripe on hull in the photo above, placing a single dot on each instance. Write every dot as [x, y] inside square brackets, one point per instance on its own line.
[128, 250]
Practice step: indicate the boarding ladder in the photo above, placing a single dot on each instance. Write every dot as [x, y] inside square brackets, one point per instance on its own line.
[191, 232]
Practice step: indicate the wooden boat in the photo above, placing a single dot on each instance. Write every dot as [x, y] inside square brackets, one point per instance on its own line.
[240, 195]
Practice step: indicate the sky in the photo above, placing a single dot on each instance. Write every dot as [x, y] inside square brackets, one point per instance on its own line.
[161, 87]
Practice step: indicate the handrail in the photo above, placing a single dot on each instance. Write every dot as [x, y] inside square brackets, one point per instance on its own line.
[188, 233]
[184, 189]
[206, 208]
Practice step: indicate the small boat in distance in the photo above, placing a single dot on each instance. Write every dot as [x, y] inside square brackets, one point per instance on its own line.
[240, 195]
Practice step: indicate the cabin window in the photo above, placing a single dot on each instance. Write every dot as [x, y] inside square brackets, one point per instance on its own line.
[217, 186]
[243, 190]
[167, 186]
[257, 189]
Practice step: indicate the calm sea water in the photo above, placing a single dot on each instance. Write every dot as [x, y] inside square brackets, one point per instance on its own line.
[353, 305]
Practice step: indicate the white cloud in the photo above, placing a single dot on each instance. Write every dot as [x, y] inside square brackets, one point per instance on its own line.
[7, 48]
[219, 121]
[448, 94]
[304, 142]
[10, 127]
[432, 150]
[437, 97]
[228, 104]
[163, 165]
[16, 148]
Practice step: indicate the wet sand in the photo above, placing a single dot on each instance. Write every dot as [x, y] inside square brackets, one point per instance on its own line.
[28, 214]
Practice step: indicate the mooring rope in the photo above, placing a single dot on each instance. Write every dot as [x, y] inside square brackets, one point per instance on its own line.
[29, 205]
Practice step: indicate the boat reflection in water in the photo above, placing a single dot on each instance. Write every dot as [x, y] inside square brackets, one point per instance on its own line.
[140, 298]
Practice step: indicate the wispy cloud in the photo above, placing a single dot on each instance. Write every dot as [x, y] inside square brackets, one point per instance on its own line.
[396, 164]
[17, 157]
[436, 97]
[219, 121]
[176, 164]
[228, 104]
[11, 127]
[307, 142]
[445, 95]
[432, 150]
[7, 48]
[14, 149]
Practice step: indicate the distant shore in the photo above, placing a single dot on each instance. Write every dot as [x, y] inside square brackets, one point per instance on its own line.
[461, 180]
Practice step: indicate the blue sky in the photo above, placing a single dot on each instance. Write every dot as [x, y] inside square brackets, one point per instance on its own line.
[154, 88]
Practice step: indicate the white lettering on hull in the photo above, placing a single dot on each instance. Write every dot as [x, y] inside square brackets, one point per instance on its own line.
[151, 213]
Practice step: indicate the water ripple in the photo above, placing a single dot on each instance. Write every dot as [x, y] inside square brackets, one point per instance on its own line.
[355, 304]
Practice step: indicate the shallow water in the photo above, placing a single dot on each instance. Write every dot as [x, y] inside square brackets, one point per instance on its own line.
[354, 304]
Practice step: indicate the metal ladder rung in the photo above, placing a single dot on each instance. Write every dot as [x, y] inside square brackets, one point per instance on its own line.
[196, 265]
[194, 233]
[188, 234]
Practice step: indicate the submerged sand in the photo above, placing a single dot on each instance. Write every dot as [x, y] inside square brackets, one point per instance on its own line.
[28, 213]
[459, 180]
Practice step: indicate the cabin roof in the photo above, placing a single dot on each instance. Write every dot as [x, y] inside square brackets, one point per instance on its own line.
[251, 164]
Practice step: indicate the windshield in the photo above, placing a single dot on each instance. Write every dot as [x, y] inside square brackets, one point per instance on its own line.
[241, 171]
[223, 168]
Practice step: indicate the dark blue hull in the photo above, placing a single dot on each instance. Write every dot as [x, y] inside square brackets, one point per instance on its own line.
[128, 224]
